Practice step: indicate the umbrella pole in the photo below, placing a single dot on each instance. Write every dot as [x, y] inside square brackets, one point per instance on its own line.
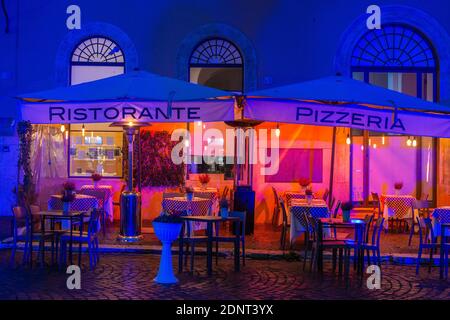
[333, 149]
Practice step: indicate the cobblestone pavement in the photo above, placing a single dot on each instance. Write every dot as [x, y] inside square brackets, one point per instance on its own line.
[129, 276]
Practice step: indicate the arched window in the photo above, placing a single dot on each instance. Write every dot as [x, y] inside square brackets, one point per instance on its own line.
[217, 63]
[400, 58]
[95, 147]
[96, 58]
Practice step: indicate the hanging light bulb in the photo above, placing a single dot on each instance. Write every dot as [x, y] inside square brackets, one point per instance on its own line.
[67, 135]
[409, 142]
[199, 123]
[63, 128]
[374, 145]
[348, 140]
[383, 140]
[83, 130]
[277, 131]
[186, 143]
[414, 142]
[370, 142]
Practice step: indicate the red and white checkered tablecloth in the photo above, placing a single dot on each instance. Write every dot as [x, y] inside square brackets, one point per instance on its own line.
[397, 206]
[298, 209]
[440, 215]
[196, 207]
[108, 206]
[289, 195]
[81, 203]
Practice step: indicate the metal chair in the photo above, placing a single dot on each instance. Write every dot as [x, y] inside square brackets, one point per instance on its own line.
[285, 225]
[276, 208]
[242, 215]
[23, 231]
[90, 238]
[423, 209]
[427, 240]
[101, 196]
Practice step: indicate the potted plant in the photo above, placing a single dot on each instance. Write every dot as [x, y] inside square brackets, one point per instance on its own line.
[189, 193]
[167, 229]
[346, 207]
[96, 177]
[204, 180]
[398, 186]
[308, 196]
[223, 204]
[304, 183]
[68, 195]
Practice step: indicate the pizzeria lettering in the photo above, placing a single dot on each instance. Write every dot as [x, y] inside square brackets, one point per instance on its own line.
[345, 118]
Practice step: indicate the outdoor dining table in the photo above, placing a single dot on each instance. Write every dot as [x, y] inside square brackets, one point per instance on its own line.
[210, 220]
[195, 207]
[396, 206]
[58, 215]
[108, 205]
[298, 208]
[357, 224]
[81, 202]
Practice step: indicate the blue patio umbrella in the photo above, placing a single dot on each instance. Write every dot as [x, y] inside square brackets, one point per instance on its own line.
[136, 95]
[343, 90]
[134, 85]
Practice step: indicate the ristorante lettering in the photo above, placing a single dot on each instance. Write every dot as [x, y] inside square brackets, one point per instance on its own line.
[345, 118]
[57, 113]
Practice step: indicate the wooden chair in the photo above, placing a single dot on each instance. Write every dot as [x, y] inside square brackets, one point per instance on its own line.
[284, 226]
[24, 230]
[90, 238]
[336, 209]
[427, 240]
[101, 196]
[325, 195]
[376, 203]
[242, 215]
[276, 208]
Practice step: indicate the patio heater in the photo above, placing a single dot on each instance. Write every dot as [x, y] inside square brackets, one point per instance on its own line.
[243, 194]
[130, 199]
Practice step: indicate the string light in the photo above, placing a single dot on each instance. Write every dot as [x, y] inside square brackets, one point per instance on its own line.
[370, 142]
[83, 129]
[414, 142]
[67, 135]
[383, 140]
[374, 145]
[348, 140]
[63, 128]
[277, 131]
[409, 142]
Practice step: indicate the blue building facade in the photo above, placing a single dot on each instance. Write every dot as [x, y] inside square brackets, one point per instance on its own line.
[280, 42]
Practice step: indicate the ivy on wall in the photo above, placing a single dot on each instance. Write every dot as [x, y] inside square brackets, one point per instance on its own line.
[25, 189]
[157, 167]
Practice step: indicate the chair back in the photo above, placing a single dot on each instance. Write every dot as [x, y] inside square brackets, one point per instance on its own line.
[425, 230]
[376, 203]
[325, 195]
[21, 218]
[376, 232]
[94, 225]
[172, 195]
[225, 192]
[242, 215]
[336, 209]
[277, 198]
[99, 194]
[311, 226]
[283, 211]
[331, 206]
[368, 222]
